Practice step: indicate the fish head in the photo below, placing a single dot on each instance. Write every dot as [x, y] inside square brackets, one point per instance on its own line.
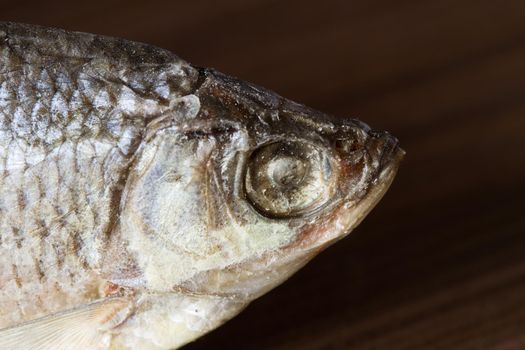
[247, 189]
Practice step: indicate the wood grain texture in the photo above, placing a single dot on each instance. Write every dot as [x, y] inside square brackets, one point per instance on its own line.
[440, 263]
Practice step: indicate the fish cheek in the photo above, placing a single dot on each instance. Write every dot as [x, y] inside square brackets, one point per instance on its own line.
[165, 218]
[181, 215]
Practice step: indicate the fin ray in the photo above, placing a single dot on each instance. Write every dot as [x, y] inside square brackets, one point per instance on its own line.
[83, 328]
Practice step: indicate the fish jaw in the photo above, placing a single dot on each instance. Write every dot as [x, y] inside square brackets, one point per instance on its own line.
[249, 279]
[350, 214]
[276, 268]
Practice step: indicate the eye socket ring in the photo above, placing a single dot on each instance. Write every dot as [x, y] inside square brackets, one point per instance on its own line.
[287, 179]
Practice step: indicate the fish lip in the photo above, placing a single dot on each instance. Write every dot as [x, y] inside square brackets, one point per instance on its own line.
[376, 191]
[390, 163]
[384, 149]
[391, 157]
[387, 171]
[363, 207]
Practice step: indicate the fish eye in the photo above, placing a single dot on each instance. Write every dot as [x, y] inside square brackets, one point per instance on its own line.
[289, 178]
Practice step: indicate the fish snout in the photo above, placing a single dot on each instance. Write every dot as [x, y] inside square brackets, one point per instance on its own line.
[384, 151]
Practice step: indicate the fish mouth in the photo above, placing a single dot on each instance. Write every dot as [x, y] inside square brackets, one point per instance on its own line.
[390, 159]
[384, 150]
[350, 214]
[391, 153]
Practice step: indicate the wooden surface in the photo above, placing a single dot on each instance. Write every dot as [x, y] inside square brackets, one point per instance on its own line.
[439, 264]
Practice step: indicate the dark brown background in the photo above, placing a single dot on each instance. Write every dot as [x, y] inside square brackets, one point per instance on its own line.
[440, 263]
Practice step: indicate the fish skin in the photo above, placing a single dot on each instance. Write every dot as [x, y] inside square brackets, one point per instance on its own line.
[73, 109]
[123, 173]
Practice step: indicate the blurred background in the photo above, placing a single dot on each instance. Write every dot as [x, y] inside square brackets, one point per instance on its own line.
[440, 263]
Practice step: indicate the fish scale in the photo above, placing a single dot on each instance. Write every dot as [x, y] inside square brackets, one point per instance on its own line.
[145, 202]
[70, 120]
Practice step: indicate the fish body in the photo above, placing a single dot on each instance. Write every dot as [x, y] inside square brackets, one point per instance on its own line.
[144, 201]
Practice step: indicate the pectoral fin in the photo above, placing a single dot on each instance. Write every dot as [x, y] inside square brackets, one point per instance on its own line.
[84, 328]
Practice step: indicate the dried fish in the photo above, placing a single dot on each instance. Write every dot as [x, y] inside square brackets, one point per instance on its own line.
[145, 201]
